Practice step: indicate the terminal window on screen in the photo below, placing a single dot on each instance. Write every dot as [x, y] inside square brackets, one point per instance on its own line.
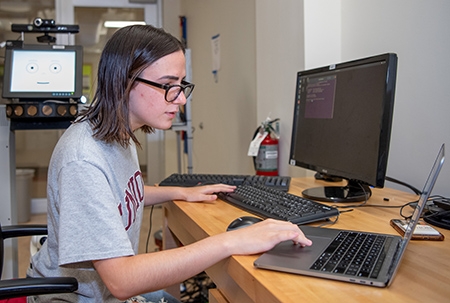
[43, 71]
[320, 96]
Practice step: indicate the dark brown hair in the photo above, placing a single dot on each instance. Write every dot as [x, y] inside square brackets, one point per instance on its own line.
[127, 53]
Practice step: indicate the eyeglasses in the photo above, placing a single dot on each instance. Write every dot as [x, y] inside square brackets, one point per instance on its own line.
[172, 91]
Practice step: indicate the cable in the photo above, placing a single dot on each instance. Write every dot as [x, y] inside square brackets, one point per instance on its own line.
[329, 222]
[364, 203]
[195, 289]
[428, 206]
[356, 205]
[438, 213]
[149, 229]
[415, 190]
[403, 207]
[438, 218]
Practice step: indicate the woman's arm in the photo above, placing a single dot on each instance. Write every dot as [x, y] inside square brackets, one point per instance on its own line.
[129, 276]
[160, 194]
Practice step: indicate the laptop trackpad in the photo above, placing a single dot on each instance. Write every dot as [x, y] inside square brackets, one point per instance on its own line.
[289, 253]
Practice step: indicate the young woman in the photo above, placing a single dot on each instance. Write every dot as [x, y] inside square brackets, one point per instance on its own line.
[96, 193]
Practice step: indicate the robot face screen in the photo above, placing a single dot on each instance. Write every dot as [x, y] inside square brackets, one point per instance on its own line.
[43, 71]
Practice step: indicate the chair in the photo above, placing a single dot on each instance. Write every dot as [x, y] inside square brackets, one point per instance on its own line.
[23, 287]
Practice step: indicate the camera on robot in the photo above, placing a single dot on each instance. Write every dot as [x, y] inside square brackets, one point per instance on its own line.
[38, 22]
[45, 26]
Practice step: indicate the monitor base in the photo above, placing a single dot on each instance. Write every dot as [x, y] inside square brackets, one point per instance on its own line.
[348, 193]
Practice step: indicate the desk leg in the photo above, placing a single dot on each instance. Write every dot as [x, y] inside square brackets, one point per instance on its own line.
[168, 242]
[215, 296]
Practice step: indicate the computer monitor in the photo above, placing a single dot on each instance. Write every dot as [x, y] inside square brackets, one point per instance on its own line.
[43, 72]
[342, 125]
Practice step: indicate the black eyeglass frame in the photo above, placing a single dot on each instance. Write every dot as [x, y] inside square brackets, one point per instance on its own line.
[167, 87]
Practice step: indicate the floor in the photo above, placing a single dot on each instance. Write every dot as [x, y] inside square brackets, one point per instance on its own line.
[38, 191]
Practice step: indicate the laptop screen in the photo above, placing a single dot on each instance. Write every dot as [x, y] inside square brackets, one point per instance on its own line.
[428, 187]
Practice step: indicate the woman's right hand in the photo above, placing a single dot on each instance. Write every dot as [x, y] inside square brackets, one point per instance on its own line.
[263, 236]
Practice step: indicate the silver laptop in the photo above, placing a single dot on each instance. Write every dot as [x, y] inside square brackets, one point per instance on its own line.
[331, 257]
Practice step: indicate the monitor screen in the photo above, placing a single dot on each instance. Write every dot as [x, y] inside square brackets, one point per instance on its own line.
[43, 72]
[342, 125]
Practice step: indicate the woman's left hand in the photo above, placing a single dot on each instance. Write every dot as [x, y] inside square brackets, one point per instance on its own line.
[206, 192]
[159, 194]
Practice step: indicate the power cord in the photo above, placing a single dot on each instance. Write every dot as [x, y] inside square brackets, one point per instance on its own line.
[364, 203]
[366, 195]
[438, 212]
[329, 222]
[415, 190]
[149, 229]
[195, 289]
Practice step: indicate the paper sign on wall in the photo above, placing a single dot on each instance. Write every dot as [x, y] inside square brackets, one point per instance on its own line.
[215, 48]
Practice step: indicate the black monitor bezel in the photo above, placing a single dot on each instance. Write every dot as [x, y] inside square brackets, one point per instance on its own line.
[378, 178]
[38, 96]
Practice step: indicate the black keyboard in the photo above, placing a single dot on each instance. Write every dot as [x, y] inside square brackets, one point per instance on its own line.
[271, 203]
[187, 180]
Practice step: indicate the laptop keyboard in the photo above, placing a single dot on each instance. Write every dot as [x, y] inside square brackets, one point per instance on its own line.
[355, 254]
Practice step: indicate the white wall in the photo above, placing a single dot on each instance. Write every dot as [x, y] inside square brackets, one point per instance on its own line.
[280, 54]
[417, 30]
[223, 112]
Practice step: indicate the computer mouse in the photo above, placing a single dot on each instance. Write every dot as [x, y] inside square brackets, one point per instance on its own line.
[243, 222]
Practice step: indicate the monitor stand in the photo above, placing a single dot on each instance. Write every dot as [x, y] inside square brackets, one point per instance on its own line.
[326, 177]
[352, 192]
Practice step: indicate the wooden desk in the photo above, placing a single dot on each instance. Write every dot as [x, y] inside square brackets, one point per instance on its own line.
[424, 275]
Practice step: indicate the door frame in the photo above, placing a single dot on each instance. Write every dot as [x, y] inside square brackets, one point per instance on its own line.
[65, 12]
[154, 144]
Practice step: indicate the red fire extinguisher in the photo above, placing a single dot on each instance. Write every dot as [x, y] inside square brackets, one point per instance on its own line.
[266, 162]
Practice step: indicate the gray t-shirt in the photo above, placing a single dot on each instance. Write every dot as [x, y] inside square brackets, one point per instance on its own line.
[95, 197]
